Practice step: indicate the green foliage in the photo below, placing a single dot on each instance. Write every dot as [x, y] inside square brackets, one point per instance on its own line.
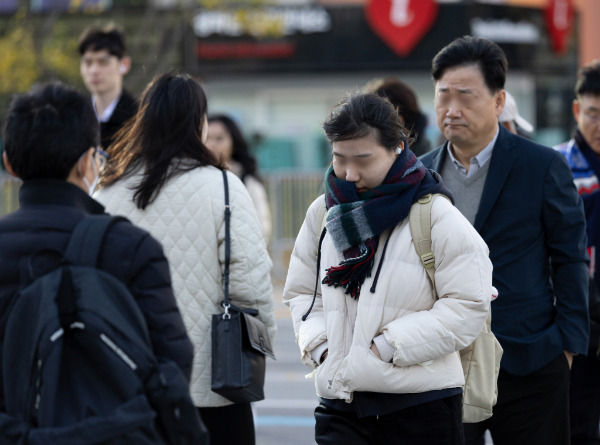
[35, 49]
[19, 66]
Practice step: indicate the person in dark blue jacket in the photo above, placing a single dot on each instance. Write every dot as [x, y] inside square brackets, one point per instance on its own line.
[582, 153]
[521, 199]
[50, 142]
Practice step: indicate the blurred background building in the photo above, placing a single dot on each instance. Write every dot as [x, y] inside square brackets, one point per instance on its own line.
[277, 67]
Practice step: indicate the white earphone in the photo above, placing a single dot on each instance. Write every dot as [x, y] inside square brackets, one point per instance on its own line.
[122, 69]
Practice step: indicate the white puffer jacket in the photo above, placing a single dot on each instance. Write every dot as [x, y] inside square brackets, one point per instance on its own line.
[187, 218]
[424, 332]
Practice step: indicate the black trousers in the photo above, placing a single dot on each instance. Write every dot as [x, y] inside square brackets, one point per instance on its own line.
[229, 425]
[531, 409]
[433, 423]
[584, 401]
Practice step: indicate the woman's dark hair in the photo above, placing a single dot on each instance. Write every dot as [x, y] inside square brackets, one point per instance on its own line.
[241, 151]
[404, 99]
[467, 50]
[47, 130]
[362, 114]
[164, 137]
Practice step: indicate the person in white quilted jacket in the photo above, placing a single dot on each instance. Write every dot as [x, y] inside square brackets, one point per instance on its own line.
[163, 178]
[384, 347]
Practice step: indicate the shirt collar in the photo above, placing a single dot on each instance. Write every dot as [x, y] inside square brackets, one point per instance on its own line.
[480, 159]
[108, 111]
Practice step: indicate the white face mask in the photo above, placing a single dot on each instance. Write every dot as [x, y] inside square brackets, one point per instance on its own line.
[91, 187]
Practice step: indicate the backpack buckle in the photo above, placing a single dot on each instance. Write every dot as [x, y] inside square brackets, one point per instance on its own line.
[428, 260]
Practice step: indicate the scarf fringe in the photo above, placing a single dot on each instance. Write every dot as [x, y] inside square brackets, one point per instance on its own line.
[351, 273]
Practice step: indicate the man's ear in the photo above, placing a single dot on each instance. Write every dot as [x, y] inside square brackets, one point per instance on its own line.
[500, 102]
[576, 109]
[7, 165]
[125, 65]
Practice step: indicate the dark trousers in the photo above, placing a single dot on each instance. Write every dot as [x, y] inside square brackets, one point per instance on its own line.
[584, 402]
[433, 423]
[229, 425]
[531, 409]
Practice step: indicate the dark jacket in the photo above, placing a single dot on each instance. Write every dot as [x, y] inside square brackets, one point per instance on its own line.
[532, 220]
[48, 213]
[125, 109]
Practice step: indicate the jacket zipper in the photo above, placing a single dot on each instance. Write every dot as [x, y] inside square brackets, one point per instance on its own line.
[345, 352]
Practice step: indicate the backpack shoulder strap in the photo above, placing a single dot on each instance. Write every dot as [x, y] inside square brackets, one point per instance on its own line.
[87, 238]
[321, 216]
[419, 220]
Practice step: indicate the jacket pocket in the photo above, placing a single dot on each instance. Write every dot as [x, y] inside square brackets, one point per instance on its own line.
[327, 381]
[364, 371]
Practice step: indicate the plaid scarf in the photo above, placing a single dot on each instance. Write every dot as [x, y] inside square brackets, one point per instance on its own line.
[355, 221]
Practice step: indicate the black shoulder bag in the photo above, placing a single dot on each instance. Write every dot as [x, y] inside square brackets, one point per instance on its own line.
[239, 341]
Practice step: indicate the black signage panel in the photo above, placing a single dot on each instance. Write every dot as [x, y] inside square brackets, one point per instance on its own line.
[340, 39]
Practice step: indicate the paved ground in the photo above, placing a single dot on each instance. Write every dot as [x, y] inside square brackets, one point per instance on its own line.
[286, 414]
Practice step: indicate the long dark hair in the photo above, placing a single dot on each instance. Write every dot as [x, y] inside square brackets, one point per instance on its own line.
[241, 150]
[167, 128]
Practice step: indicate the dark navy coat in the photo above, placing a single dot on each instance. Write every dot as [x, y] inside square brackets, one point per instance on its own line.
[533, 222]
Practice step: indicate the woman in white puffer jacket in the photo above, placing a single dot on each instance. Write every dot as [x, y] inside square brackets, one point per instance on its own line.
[384, 347]
[163, 178]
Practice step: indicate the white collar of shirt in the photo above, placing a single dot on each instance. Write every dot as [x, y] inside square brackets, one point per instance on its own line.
[108, 111]
[476, 162]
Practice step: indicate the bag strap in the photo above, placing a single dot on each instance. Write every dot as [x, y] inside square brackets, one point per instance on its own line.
[87, 239]
[420, 229]
[321, 216]
[226, 303]
[322, 231]
[419, 220]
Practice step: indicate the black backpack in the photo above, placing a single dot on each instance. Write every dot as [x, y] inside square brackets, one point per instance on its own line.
[78, 366]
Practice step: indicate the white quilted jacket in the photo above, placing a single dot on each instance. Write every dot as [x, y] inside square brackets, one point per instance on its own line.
[187, 218]
[424, 332]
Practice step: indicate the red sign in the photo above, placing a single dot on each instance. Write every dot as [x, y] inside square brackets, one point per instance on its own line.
[559, 17]
[401, 24]
[245, 50]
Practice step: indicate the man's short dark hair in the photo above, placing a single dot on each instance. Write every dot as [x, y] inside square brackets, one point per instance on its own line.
[96, 38]
[47, 130]
[588, 80]
[468, 50]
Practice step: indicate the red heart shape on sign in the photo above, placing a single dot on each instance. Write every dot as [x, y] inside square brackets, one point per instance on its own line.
[401, 24]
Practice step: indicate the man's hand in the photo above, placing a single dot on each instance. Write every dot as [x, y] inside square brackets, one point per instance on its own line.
[567, 354]
[375, 350]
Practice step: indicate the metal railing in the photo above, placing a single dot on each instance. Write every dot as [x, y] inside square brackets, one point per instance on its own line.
[290, 193]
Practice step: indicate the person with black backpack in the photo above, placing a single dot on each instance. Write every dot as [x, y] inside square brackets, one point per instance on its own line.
[93, 348]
